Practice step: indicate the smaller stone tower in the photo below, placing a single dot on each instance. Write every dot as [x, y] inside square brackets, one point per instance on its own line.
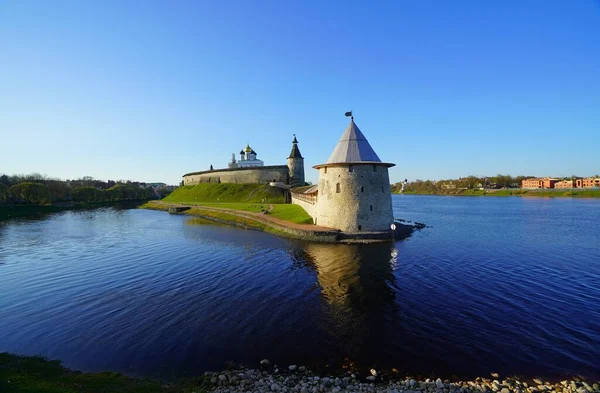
[296, 164]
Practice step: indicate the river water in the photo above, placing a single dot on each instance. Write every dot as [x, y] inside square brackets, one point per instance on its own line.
[508, 285]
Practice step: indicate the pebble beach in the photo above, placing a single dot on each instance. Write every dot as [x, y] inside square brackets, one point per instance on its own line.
[293, 378]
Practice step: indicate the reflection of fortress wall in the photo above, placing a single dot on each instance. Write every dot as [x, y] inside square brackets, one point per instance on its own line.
[261, 174]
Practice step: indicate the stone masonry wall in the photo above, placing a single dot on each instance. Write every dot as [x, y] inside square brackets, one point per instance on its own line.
[309, 207]
[296, 168]
[263, 175]
[355, 201]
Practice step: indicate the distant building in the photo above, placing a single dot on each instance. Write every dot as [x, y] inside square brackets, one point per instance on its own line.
[564, 184]
[539, 183]
[449, 186]
[590, 182]
[547, 182]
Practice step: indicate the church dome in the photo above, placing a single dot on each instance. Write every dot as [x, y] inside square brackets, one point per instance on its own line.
[248, 149]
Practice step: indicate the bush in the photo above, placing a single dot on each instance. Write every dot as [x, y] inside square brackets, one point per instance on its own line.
[29, 193]
[88, 194]
[3, 193]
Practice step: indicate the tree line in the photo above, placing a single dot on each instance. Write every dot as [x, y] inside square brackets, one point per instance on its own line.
[36, 189]
[465, 183]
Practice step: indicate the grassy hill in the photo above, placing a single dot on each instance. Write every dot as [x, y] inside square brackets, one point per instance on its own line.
[226, 193]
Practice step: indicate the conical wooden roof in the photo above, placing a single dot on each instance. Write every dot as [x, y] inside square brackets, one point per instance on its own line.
[353, 147]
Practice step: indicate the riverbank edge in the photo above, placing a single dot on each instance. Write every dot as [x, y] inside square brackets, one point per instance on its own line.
[252, 221]
[511, 193]
[39, 374]
[8, 212]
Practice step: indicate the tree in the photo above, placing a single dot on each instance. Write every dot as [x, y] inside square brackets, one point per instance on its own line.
[88, 194]
[59, 191]
[29, 193]
[3, 193]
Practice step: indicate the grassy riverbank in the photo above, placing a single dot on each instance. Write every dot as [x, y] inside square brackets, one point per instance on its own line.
[581, 193]
[253, 198]
[227, 192]
[287, 212]
[32, 374]
[231, 218]
[283, 211]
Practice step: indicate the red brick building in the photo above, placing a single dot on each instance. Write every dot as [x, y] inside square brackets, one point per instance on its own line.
[589, 182]
[546, 182]
[565, 184]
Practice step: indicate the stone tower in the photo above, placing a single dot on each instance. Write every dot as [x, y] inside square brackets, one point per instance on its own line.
[296, 164]
[354, 187]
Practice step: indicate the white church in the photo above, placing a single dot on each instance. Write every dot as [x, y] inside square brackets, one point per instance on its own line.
[247, 159]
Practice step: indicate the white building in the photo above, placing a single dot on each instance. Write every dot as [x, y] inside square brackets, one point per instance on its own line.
[247, 159]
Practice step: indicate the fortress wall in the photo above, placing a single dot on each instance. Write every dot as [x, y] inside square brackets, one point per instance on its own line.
[262, 175]
[364, 198]
[309, 207]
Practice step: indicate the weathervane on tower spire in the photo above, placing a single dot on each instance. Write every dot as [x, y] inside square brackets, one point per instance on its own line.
[349, 114]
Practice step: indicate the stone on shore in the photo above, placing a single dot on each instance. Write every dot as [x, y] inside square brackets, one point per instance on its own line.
[266, 380]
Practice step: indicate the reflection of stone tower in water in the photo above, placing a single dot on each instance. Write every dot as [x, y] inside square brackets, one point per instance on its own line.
[295, 163]
[354, 277]
[356, 283]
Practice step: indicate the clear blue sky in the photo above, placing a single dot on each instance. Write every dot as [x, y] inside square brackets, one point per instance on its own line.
[150, 90]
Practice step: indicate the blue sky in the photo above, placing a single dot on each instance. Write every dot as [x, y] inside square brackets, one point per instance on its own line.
[150, 90]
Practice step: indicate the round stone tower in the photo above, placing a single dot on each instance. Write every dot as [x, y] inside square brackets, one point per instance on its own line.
[295, 163]
[354, 187]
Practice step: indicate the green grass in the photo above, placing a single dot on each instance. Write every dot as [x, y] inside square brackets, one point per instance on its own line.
[283, 211]
[32, 374]
[226, 192]
[293, 213]
[249, 207]
[246, 197]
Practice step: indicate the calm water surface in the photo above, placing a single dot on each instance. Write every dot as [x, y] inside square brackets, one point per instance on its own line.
[509, 285]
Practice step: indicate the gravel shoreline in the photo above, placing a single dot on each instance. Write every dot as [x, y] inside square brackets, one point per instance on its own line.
[293, 378]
